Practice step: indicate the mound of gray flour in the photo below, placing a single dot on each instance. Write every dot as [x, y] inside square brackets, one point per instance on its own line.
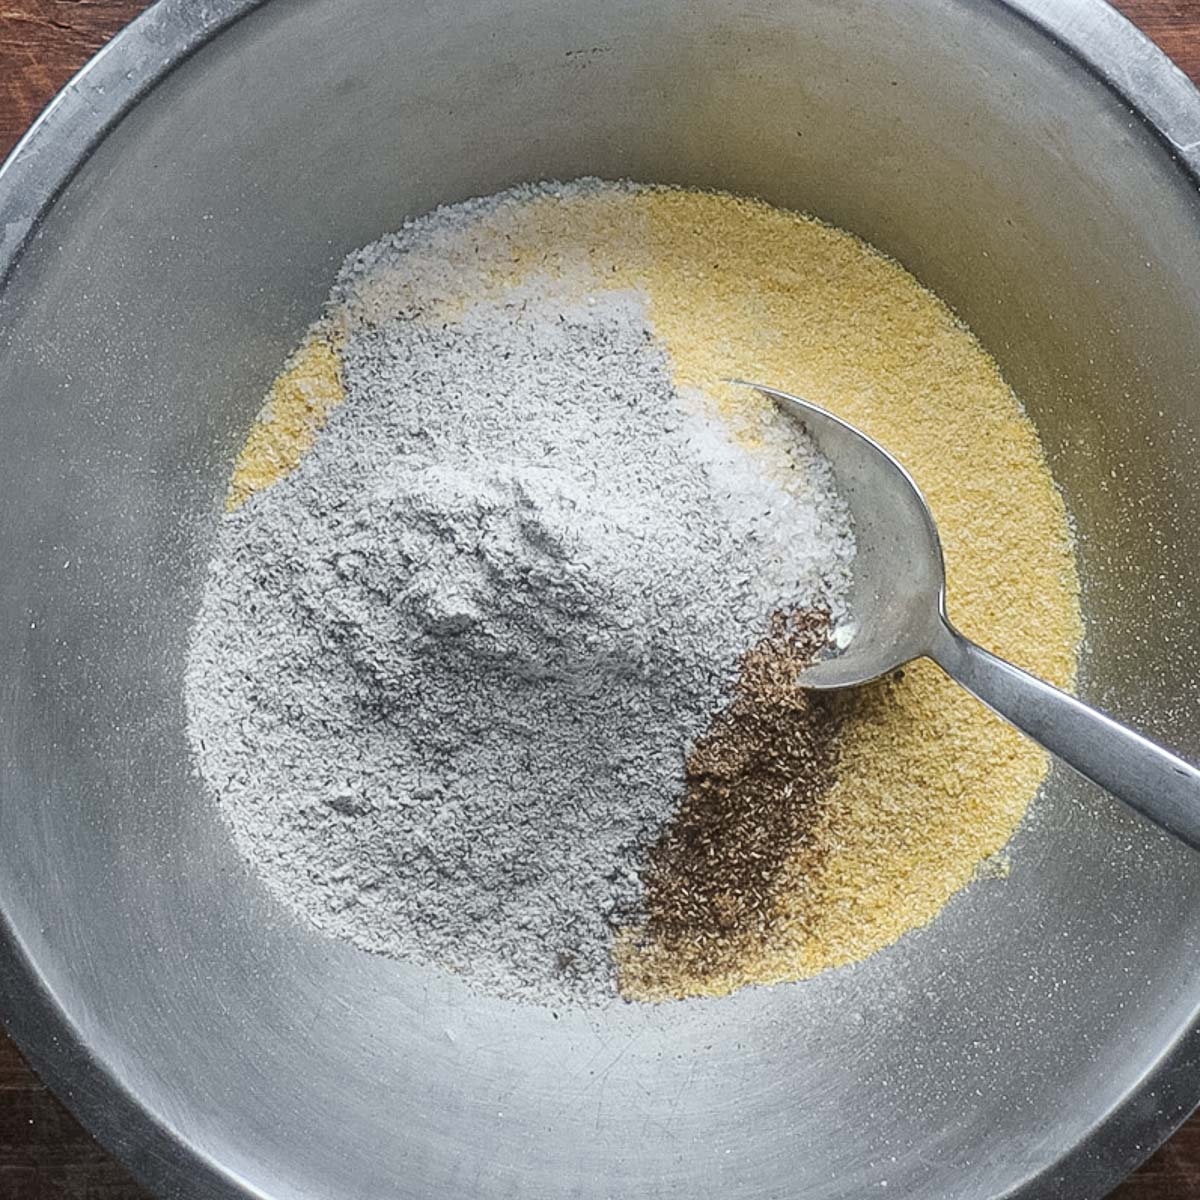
[445, 674]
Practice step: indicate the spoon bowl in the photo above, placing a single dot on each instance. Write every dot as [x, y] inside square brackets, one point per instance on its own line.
[897, 588]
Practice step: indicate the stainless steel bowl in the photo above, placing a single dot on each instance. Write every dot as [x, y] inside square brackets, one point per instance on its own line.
[167, 230]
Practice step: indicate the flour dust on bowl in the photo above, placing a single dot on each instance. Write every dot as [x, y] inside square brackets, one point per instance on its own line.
[172, 227]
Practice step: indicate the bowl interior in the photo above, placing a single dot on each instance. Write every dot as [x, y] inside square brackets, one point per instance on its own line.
[139, 332]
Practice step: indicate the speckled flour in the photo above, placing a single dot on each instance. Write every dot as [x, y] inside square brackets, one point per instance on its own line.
[446, 672]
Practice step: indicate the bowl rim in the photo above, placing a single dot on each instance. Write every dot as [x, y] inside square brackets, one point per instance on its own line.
[93, 102]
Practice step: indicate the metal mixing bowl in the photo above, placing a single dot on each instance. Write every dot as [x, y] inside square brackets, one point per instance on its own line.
[168, 229]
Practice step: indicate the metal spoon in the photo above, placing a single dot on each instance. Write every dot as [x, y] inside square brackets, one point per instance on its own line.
[898, 613]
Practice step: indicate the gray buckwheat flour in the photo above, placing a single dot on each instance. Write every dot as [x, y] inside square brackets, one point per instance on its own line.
[446, 672]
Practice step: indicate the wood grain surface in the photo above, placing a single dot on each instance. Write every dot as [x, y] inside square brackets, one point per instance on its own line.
[44, 1154]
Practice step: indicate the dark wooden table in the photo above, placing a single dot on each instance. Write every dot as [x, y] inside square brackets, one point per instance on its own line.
[44, 1154]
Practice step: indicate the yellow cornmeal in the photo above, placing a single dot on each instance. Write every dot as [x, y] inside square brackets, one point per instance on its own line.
[296, 409]
[930, 784]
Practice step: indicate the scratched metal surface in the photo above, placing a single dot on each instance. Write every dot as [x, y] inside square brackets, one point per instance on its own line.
[264, 1058]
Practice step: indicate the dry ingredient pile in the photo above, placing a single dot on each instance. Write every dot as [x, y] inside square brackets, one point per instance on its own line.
[494, 669]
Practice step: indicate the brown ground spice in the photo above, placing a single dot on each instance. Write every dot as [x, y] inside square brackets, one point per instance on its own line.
[754, 783]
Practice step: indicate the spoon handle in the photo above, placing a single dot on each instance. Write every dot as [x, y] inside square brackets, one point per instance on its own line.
[1145, 776]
